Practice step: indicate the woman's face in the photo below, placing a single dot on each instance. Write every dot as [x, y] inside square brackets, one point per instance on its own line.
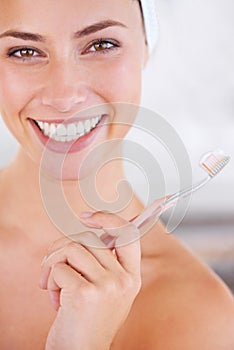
[59, 58]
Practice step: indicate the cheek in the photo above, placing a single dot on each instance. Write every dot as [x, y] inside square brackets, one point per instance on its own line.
[119, 80]
[15, 90]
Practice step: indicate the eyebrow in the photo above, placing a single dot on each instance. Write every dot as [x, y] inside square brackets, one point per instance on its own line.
[22, 35]
[79, 34]
[98, 26]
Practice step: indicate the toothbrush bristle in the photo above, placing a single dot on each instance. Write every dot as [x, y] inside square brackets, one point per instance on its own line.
[214, 162]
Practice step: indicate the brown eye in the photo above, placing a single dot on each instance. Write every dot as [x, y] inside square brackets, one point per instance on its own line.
[26, 52]
[103, 45]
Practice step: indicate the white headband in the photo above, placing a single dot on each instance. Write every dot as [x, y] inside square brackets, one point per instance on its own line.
[150, 21]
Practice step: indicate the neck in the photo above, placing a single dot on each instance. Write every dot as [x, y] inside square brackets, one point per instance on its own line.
[25, 202]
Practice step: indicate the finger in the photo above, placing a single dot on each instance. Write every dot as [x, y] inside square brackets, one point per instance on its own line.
[59, 243]
[56, 245]
[54, 296]
[127, 245]
[92, 243]
[53, 290]
[63, 281]
[44, 277]
[129, 256]
[103, 219]
[110, 223]
[103, 258]
[78, 257]
[87, 238]
[114, 226]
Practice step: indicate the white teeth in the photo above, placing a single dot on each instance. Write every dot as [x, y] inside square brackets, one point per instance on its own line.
[80, 128]
[46, 129]
[41, 124]
[71, 130]
[93, 122]
[52, 131]
[87, 125]
[69, 138]
[61, 130]
[66, 133]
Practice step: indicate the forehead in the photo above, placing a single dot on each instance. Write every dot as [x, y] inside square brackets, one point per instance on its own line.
[66, 14]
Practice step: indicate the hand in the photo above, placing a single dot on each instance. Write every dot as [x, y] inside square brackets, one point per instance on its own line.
[91, 288]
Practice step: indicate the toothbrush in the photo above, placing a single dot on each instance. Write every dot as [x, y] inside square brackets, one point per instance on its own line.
[212, 163]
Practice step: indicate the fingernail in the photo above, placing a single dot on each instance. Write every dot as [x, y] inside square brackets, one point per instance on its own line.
[108, 240]
[86, 214]
[88, 220]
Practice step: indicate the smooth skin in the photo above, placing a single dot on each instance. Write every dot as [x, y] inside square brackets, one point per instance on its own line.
[88, 286]
[150, 294]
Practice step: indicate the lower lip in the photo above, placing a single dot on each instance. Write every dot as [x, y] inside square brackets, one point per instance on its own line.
[68, 147]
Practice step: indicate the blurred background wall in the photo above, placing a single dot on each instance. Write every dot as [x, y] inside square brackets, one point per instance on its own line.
[190, 82]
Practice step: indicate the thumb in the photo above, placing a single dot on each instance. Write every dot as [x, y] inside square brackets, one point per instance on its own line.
[128, 251]
[126, 238]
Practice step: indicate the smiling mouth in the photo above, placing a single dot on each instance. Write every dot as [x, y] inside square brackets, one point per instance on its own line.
[67, 132]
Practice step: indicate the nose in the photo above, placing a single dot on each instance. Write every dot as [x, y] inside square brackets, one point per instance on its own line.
[64, 88]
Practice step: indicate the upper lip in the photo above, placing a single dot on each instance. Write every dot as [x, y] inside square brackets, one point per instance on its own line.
[75, 116]
[65, 120]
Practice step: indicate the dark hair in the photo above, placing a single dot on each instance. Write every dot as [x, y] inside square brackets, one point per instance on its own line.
[143, 21]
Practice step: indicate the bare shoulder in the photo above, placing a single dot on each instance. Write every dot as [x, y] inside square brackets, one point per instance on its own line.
[191, 306]
[184, 305]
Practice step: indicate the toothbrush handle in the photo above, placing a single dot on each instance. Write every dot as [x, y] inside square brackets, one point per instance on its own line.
[158, 206]
[153, 210]
[187, 191]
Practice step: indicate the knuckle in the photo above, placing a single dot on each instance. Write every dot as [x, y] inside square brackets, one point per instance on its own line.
[87, 238]
[72, 247]
[127, 282]
[79, 237]
[90, 239]
[75, 251]
[56, 244]
[56, 269]
[130, 283]
[61, 254]
[110, 286]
